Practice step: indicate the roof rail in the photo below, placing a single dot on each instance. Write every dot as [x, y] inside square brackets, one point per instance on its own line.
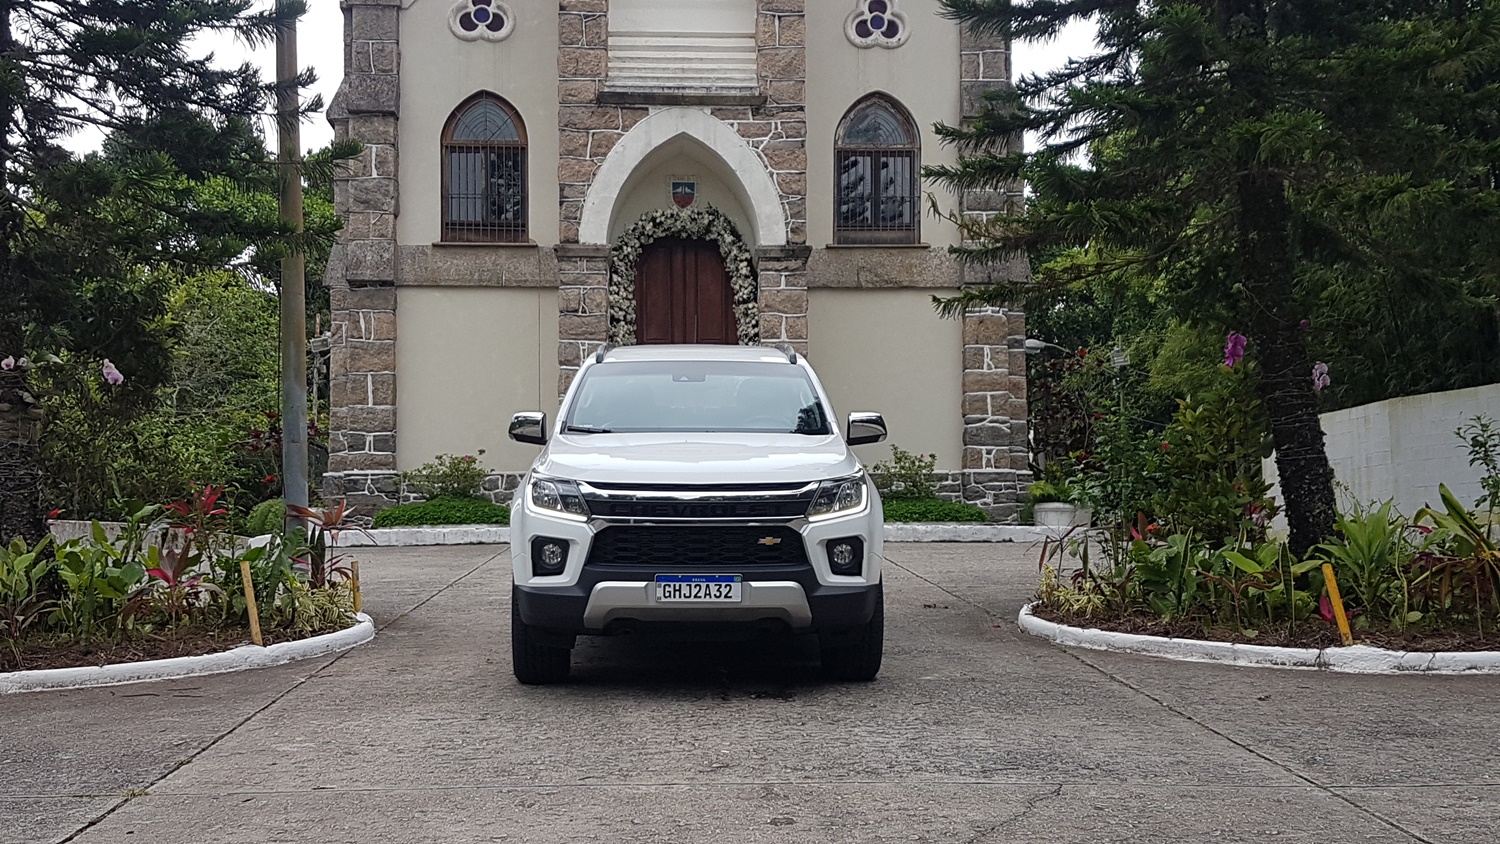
[603, 350]
[791, 353]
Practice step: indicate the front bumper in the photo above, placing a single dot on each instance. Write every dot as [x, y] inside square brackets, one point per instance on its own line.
[617, 599]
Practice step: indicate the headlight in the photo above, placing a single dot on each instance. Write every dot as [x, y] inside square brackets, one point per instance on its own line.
[838, 496]
[559, 497]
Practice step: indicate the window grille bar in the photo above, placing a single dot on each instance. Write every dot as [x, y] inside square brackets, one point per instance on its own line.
[485, 193]
[877, 195]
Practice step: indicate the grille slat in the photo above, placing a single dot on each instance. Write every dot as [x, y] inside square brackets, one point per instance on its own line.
[706, 548]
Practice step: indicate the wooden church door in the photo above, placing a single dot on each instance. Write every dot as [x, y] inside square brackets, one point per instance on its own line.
[682, 294]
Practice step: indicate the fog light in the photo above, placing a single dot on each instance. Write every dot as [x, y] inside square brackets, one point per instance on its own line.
[549, 557]
[846, 556]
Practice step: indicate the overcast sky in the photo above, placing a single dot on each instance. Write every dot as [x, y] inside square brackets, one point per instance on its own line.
[321, 47]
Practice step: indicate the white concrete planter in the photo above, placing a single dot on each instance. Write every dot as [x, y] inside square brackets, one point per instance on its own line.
[1359, 659]
[1060, 515]
[240, 659]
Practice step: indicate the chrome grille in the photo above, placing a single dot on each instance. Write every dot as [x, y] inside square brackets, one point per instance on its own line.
[658, 503]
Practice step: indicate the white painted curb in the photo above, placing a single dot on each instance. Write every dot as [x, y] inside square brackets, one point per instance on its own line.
[962, 532]
[419, 536]
[1358, 659]
[240, 659]
[494, 535]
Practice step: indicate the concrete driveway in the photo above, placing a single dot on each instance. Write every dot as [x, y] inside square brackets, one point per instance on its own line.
[974, 732]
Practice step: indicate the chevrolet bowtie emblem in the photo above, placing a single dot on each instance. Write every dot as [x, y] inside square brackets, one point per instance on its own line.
[771, 540]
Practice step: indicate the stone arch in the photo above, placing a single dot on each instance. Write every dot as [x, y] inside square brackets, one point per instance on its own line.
[760, 197]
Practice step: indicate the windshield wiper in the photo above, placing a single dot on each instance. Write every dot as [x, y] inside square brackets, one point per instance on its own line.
[580, 429]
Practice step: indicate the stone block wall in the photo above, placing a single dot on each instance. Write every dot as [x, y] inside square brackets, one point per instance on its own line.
[363, 267]
[997, 450]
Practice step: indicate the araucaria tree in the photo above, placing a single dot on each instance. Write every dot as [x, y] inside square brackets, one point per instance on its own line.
[1244, 152]
[127, 67]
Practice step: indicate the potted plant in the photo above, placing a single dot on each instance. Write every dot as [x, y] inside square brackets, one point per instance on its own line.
[1051, 504]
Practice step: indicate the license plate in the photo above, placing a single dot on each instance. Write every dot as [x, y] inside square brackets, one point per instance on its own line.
[699, 588]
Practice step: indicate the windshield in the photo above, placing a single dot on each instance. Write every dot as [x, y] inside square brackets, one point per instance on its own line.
[718, 397]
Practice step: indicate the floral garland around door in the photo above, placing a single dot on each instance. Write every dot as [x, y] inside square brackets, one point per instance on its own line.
[691, 224]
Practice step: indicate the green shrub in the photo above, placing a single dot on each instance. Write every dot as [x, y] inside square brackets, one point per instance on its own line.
[444, 511]
[1045, 492]
[907, 475]
[932, 510]
[447, 476]
[266, 517]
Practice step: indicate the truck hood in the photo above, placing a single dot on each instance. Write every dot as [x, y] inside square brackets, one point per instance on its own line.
[706, 459]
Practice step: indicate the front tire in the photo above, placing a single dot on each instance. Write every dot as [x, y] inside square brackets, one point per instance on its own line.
[856, 655]
[534, 663]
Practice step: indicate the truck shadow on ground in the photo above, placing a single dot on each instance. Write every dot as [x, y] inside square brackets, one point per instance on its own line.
[772, 667]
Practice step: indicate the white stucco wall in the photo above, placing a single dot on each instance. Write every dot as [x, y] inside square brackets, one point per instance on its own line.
[887, 351]
[438, 72]
[1403, 448]
[469, 359]
[922, 74]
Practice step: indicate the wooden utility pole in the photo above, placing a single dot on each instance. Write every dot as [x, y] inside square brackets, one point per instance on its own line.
[293, 272]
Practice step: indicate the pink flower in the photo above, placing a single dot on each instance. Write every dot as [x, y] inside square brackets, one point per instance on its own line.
[8, 364]
[1234, 348]
[1320, 376]
[112, 375]
[1305, 324]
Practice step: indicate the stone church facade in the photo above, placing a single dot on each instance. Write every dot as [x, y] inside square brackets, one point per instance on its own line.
[543, 177]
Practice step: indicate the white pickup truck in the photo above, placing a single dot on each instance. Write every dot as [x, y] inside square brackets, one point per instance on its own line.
[690, 490]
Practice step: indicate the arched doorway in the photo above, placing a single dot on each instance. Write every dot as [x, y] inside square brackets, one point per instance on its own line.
[683, 295]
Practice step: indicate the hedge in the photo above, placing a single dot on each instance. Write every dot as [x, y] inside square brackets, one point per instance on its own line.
[444, 511]
[932, 510]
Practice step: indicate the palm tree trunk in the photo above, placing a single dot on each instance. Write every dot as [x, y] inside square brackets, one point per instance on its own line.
[1286, 389]
[20, 457]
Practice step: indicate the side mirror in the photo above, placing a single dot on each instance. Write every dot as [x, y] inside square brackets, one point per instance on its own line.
[530, 428]
[866, 428]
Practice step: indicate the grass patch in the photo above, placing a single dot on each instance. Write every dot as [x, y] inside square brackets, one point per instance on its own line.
[932, 510]
[444, 511]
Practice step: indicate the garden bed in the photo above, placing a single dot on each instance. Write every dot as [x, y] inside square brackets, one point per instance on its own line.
[1357, 659]
[39, 653]
[240, 658]
[1309, 634]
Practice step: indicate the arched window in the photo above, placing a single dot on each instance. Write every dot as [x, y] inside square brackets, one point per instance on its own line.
[484, 173]
[877, 190]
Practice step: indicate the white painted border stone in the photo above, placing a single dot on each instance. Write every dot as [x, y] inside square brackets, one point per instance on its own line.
[495, 535]
[1359, 659]
[240, 659]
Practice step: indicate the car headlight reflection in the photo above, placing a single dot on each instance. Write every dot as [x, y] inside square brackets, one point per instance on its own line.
[559, 496]
[838, 496]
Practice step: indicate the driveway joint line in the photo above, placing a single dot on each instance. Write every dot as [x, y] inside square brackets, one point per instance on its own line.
[183, 763]
[945, 590]
[1326, 789]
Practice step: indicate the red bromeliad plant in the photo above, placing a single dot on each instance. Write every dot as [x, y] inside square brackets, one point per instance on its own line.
[175, 588]
[323, 529]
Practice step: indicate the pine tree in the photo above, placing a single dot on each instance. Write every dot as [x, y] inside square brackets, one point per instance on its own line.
[1229, 146]
[119, 66]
